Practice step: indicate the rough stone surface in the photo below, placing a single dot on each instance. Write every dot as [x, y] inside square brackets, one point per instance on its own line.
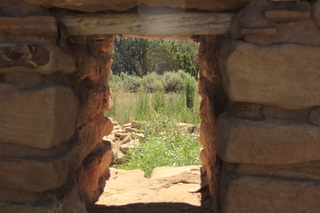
[267, 194]
[316, 12]
[36, 175]
[23, 80]
[266, 142]
[70, 203]
[299, 32]
[279, 75]
[121, 5]
[95, 172]
[314, 116]
[36, 117]
[286, 15]
[301, 171]
[44, 59]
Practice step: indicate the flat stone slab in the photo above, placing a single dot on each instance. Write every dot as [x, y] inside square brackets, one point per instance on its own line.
[286, 15]
[266, 142]
[265, 194]
[286, 75]
[34, 175]
[42, 117]
[70, 203]
[43, 59]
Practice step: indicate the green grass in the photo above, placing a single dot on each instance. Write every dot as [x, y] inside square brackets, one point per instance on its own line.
[164, 146]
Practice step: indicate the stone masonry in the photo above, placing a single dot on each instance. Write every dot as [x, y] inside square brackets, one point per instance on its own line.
[260, 107]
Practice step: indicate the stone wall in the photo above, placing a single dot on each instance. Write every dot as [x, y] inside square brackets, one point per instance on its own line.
[268, 137]
[52, 103]
[260, 106]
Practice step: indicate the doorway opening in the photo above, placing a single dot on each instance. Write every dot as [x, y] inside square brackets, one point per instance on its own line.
[156, 124]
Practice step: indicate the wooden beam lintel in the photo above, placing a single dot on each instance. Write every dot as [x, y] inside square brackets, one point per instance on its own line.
[164, 25]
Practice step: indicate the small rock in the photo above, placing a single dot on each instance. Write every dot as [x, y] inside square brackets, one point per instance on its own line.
[131, 145]
[126, 139]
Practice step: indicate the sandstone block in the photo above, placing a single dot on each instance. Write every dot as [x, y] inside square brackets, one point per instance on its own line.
[130, 145]
[286, 15]
[284, 75]
[266, 142]
[298, 32]
[45, 25]
[40, 118]
[314, 116]
[23, 80]
[95, 172]
[70, 203]
[316, 12]
[265, 194]
[44, 59]
[34, 175]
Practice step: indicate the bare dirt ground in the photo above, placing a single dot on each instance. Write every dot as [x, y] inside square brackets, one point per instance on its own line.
[169, 190]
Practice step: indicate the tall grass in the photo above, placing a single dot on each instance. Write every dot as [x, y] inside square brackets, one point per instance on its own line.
[144, 106]
[164, 146]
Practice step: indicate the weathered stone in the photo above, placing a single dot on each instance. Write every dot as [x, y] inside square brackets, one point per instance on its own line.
[316, 12]
[107, 126]
[266, 142]
[259, 39]
[279, 75]
[260, 31]
[45, 25]
[252, 16]
[271, 112]
[23, 80]
[301, 171]
[139, 136]
[299, 32]
[129, 130]
[286, 15]
[70, 203]
[121, 5]
[18, 8]
[44, 59]
[130, 145]
[126, 139]
[34, 175]
[40, 118]
[314, 116]
[121, 135]
[267, 194]
[95, 172]
[245, 110]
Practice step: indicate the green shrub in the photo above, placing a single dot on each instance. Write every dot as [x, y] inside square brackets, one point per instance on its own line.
[172, 82]
[152, 82]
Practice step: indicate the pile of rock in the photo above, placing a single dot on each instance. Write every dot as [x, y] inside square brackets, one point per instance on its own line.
[123, 138]
[130, 136]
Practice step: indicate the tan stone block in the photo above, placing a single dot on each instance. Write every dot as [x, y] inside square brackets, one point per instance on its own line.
[266, 142]
[40, 118]
[23, 80]
[316, 12]
[44, 59]
[286, 15]
[70, 203]
[265, 194]
[284, 75]
[34, 175]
